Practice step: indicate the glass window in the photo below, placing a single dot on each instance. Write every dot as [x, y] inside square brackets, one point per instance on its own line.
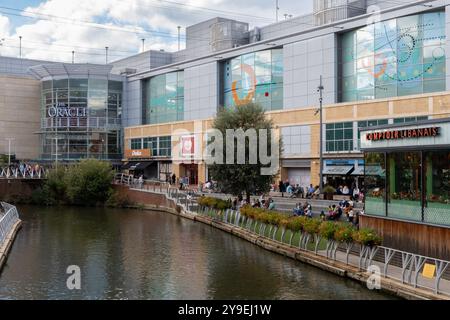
[339, 137]
[397, 57]
[437, 187]
[264, 67]
[165, 98]
[152, 144]
[404, 186]
[136, 144]
[375, 184]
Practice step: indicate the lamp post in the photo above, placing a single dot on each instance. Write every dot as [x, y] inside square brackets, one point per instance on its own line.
[320, 90]
[9, 149]
[179, 37]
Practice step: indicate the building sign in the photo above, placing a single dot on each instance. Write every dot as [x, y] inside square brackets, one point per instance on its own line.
[140, 153]
[187, 146]
[63, 111]
[403, 134]
[433, 134]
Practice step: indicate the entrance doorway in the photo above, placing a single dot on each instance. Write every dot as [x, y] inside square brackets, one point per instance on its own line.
[190, 171]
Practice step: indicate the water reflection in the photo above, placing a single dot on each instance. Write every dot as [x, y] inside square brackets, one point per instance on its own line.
[126, 254]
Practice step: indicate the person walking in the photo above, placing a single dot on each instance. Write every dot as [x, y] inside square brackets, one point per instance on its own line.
[174, 179]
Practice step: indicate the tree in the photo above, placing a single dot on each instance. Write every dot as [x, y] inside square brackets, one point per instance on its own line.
[244, 178]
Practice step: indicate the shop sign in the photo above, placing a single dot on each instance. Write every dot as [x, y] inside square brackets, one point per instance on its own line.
[63, 111]
[140, 153]
[187, 146]
[430, 132]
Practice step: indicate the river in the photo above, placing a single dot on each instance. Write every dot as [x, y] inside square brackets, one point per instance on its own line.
[128, 254]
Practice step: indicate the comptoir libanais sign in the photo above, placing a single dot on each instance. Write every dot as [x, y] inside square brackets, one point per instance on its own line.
[64, 111]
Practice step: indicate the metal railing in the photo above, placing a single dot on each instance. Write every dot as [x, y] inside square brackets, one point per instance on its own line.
[8, 219]
[26, 172]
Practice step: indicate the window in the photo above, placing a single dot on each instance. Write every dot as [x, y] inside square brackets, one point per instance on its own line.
[136, 144]
[165, 146]
[165, 98]
[408, 120]
[393, 58]
[152, 144]
[375, 183]
[339, 137]
[296, 140]
[255, 77]
[369, 123]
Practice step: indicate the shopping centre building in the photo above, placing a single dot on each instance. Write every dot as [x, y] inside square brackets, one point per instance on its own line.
[153, 110]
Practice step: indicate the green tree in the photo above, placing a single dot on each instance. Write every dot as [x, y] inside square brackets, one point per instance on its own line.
[89, 182]
[238, 179]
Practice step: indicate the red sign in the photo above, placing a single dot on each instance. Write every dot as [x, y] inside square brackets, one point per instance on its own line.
[187, 146]
[404, 134]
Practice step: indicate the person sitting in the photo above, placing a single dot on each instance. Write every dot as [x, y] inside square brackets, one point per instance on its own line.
[271, 204]
[323, 217]
[298, 210]
[345, 191]
[356, 193]
[316, 193]
[257, 204]
[290, 191]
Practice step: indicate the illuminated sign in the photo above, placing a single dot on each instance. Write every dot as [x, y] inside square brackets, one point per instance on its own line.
[139, 153]
[63, 111]
[404, 134]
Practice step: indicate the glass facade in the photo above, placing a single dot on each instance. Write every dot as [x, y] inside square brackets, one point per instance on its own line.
[393, 58]
[339, 137]
[254, 78]
[81, 118]
[159, 146]
[164, 98]
[410, 185]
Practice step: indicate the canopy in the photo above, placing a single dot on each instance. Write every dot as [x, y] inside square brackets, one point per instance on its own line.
[338, 170]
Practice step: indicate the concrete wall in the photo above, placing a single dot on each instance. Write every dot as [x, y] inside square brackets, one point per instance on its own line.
[304, 62]
[20, 116]
[200, 92]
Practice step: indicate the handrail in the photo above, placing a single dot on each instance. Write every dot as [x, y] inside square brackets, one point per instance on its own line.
[7, 220]
[26, 172]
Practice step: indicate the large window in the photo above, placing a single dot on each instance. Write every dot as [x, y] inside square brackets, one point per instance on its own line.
[392, 58]
[339, 137]
[409, 120]
[159, 146]
[255, 77]
[409, 185]
[165, 98]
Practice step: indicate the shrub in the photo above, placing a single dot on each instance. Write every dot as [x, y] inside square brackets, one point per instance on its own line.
[367, 237]
[118, 200]
[329, 189]
[214, 203]
[312, 226]
[327, 230]
[344, 233]
[296, 224]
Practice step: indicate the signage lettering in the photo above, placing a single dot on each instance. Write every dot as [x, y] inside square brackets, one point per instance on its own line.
[63, 111]
[404, 134]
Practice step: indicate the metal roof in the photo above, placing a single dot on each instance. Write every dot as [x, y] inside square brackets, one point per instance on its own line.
[69, 70]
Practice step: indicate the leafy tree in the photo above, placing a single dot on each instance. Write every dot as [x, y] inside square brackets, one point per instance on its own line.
[238, 179]
[89, 182]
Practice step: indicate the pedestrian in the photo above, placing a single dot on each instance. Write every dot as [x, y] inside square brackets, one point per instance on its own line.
[141, 181]
[174, 179]
[281, 188]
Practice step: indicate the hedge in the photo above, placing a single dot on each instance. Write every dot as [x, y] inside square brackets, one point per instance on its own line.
[214, 203]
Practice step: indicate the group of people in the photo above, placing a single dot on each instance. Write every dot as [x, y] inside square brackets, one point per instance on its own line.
[303, 210]
[355, 193]
[346, 208]
[261, 202]
[297, 191]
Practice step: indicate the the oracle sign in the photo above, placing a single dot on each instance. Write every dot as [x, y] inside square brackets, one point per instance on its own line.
[63, 111]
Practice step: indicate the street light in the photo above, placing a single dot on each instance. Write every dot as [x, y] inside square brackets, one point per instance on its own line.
[320, 90]
[9, 149]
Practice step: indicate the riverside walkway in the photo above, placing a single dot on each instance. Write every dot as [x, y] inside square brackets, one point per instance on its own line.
[405, 274]
[9, 225]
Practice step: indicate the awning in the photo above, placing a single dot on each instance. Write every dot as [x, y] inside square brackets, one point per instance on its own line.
[338, 170]
[143, 165]
[375, 171]
[127, 165]
[358, 171]
[296, 163]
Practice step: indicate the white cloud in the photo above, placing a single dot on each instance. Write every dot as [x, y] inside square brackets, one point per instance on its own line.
[55, 38]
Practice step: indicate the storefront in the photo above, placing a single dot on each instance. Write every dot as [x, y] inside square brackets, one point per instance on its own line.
[407, 172]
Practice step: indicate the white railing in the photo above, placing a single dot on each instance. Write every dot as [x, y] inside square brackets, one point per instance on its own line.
[91, 122]
[8, 218]
[24, 172]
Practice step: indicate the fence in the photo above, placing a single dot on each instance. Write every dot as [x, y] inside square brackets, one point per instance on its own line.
[22, 172]
[8, 219]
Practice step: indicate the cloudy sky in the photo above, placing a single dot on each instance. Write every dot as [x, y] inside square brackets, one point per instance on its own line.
[52, 29]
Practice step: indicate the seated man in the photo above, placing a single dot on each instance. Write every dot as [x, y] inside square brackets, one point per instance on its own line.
[298, 210]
